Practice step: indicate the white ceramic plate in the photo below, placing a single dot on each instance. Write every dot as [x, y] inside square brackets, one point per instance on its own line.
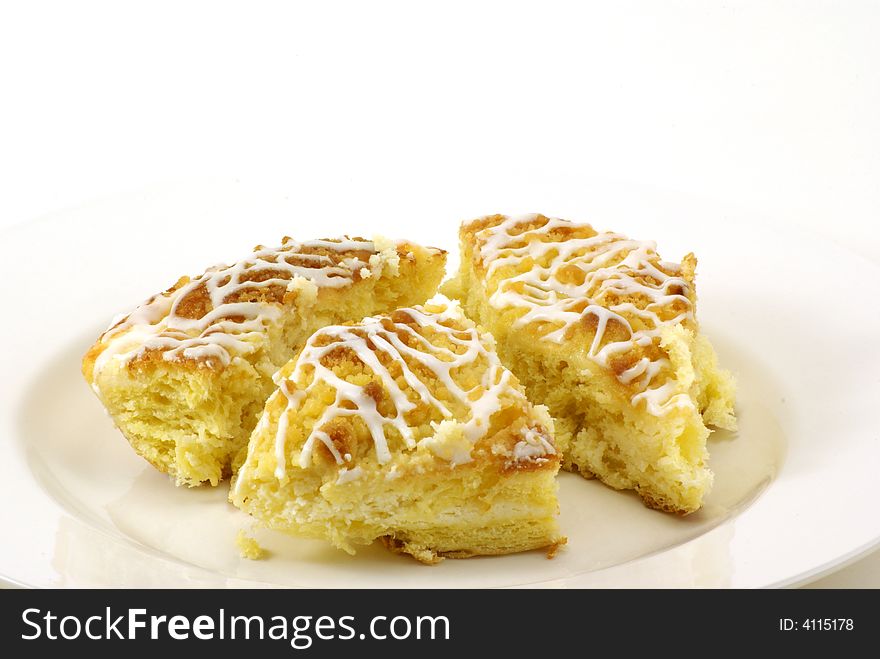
[792, 317]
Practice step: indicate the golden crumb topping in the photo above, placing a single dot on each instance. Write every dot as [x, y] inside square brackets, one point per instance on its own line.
[421, 377]
[224, 312]
[602, 292]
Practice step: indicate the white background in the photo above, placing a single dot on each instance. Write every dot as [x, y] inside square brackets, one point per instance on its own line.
[768, 106]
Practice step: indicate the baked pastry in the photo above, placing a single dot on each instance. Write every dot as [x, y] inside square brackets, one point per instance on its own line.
[185, 375]
[404, 428]
[604, 332]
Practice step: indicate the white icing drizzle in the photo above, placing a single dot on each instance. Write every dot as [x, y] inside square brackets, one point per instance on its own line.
[379, 335]
[534, 446]
[609, 263]
[347, 475]
[233, 327]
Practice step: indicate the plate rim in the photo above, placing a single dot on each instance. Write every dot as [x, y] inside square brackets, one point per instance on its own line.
[808, 576]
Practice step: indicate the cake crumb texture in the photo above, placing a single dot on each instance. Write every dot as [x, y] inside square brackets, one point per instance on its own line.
[248, 547]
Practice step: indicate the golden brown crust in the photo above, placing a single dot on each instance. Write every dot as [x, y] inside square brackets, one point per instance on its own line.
[662, 505]
[421, 554]
[553, 549]
[647, 497]
[429, 556]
